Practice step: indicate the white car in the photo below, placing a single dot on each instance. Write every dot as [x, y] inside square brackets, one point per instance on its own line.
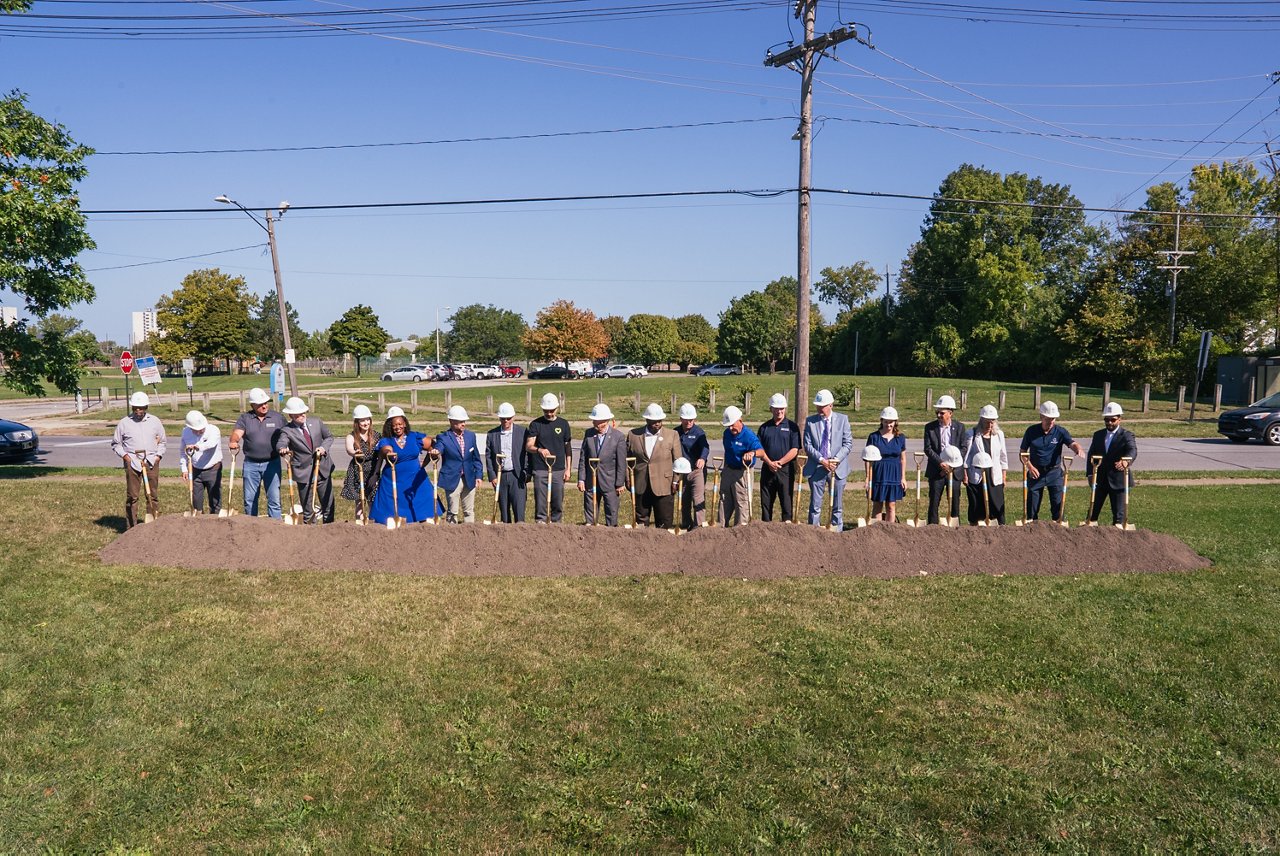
[415, 373]
[640, 371]
[618, 370]
[488, 372]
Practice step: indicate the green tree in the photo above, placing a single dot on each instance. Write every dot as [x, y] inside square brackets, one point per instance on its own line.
[647, 340]
[358, 332]
[264, 335]
[849, 286]
[41, 233]
[82, 341]
[754, 330]
[206, 318]
[1102, 340]
[484, 334]
[563, 332]
[697, 341]
[612, 325]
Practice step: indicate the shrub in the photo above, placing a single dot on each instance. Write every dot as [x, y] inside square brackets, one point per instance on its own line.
[705, 389]
[745, 389]
[844, 392]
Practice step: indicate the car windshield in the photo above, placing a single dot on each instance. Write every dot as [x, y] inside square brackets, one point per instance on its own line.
[1272, 401]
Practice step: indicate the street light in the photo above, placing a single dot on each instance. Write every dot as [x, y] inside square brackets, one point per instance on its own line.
[446, 309]
[269, 228]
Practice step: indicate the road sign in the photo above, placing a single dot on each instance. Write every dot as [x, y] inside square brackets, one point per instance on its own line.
[147, 371]
[1202, 362]
[126, 362]
[290, 356]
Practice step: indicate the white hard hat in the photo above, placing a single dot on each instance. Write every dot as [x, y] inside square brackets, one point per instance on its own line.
[361, 411]
[951, 456]
[945, 402]
[1113, 408]
[688, 411]
[889, 414]
[506, 411]
[982, 461]
[395, 410]
[550, 402]
[681, 467]
[777, 400]
[457, 413]
[139, 399]
[731, 415]
[654, 413]
[988, 411]
[601, 413]
[1049, 409]
[823, 398]
[870, 453]
[258, 395]
[294, 406]
[196, 420]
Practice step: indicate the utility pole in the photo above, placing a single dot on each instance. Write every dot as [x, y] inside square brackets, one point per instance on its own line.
[284, 315]
[1275, 231]
[803, 58]
[1176, 267]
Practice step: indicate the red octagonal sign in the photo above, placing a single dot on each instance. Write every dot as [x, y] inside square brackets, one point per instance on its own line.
[126, 362]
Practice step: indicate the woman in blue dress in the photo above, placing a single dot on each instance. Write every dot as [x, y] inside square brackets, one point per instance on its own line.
[888, 476]
[399, 450]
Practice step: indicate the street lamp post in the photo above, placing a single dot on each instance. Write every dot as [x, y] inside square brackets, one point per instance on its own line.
[269, 228]
[446, 309]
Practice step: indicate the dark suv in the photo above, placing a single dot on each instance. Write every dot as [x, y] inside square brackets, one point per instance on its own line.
[1258, 421]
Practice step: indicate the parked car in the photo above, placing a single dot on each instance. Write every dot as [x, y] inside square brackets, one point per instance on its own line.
[488, 372]
[1258, 421]
[618, 370]
[641, 371]
[17, 441]
[555, 371]
[512, 371]
[414, 373]
[719, 369]
[460, 371]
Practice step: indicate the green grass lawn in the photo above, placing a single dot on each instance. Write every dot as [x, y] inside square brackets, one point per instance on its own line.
[169, 710]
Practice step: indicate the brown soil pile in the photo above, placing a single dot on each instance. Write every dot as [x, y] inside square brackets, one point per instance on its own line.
[757, 551]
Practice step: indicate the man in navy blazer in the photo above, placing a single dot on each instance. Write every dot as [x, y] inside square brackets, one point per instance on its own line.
[508, 474]
[938, 434]
[1112, 444]
[460, 466]
[828, 441]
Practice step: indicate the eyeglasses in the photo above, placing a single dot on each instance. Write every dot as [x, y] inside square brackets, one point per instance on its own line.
[1111, 419]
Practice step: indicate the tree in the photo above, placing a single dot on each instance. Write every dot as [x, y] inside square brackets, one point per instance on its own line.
[647, 340]
[83, 342]
[265, 337]
[41, 233]
[484, 333]
[697, 341]
[358, 332]
[206, 318]
[612, 325]
[754, 330]
[848, 286]
[563, 332]
[1102, 341]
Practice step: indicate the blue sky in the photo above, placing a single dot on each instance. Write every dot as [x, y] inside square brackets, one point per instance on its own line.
[1170, 80]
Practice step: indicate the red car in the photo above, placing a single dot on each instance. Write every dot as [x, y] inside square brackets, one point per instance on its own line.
[512, 371]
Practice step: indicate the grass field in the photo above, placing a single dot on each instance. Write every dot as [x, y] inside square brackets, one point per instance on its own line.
[166, 710]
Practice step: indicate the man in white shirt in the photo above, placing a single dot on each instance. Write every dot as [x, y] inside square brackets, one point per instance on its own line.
[202, 461]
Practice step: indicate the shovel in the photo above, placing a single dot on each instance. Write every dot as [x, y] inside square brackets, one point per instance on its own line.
[798, 485]
[631, 482]
[1025, 457]
[594, 465]
[362, 517]
[1127, 526]
[870, 454]
[395, 521]
[1066, 479]
[983, 463]
[316, 516]
[864, 521]
[147, 516]
[191, 486]
[227, 510]
[496, 504]
[294, 515]
[1094, 463]
[442, 504]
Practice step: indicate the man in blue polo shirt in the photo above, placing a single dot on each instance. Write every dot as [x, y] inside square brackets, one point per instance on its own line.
[740, 448]
[1043, 444]
[780, 442]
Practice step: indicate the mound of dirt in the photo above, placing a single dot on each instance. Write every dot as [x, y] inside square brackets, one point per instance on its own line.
[756, 551]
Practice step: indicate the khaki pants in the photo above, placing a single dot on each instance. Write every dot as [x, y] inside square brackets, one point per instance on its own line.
[693, 503]
[133, 487]
[735, 497]
[462, 499]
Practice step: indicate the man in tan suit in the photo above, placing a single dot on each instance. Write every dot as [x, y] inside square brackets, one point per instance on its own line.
[656, 450]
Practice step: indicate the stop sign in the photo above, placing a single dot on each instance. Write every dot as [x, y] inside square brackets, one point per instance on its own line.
[126, 362]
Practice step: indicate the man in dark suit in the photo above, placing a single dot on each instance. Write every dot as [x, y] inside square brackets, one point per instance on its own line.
[941, 432]
[460, 466]
[509, 474]
[1112, 444]
[304, 441]
[602, 466]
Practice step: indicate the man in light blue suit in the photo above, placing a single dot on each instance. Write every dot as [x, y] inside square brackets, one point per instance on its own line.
[828, 441]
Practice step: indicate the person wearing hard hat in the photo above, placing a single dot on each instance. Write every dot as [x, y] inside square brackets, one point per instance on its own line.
[408, 493]
[656, 450]
[257, 430]
[305, 441]
[741, 446]
[1113, 444]
[986, 438]
[550, 446]
[139, 441]
[507, 462]
[460, 466]
[828, 441]
[888, 475]
[942, 432]
[697, 449]
[779, 446]
[360, 444]
[202, 448]
[602, 466]
[1043, 443]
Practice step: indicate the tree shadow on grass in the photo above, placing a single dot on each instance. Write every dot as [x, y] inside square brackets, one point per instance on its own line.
[114, 522]
[28, 471]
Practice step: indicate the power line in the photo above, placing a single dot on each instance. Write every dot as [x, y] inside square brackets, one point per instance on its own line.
[178, 258]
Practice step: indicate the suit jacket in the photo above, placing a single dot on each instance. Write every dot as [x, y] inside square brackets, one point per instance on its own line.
[933, 447]
[657, 472]
[841, 443]
[999, 455]
[303, 457]
[1125, 445]
[458, 464]
[493, 447]
[612, 467]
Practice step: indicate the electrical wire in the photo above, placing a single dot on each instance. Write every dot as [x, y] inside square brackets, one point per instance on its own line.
[178, 258]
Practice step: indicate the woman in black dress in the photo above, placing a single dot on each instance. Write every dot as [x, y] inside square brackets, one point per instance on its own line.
[360, 444]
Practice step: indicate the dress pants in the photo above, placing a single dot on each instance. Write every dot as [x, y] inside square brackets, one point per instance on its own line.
[540, 496]
[662, 508]
[817, 495]
[324, 495]
[781, 485]
[511, 498]
[938, 489]
[609, 501]
[133, 487]
[462, 504]
[208, 480]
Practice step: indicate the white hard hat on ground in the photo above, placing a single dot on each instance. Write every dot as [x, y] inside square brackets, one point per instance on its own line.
[681, 467]
[731, 415]
[196, 420]
[945, 402]
[654, 413]
[1049, 409]
[951, 456]
[361, 411]
[870, 453]
[823, 398]
[688, 411]
[777, 400]
[294, 406]
[889, 414]
[394, 411]
[988, 411]
[601, 413]
[139, 399]
[258, 395]
[982, 461]
[506, 411]
[1113, 408]
[550, 402]
[457, 413]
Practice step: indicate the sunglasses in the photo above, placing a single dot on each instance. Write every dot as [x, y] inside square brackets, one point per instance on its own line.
[1111, 419]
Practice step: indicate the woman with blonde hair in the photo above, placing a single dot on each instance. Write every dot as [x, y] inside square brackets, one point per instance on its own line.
[986, 437]
[361, 442]
[888, 476]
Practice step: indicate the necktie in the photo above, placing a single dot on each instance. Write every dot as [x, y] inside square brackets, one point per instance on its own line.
[599, 444]
[826, 438]
[306, 435]
[1106, 445]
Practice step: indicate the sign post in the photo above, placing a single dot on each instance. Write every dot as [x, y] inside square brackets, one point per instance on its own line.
[1202, 361]
[126, 366]
[188, 367]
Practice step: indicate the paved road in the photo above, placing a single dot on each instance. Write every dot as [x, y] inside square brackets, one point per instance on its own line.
[1153, 454]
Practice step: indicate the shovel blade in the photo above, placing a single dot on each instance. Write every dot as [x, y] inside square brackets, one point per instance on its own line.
[1019, 523]
[1126, 527]
[1064, 524]
[862, 522]
[148, 518]
[224, 513]
[983, 523]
